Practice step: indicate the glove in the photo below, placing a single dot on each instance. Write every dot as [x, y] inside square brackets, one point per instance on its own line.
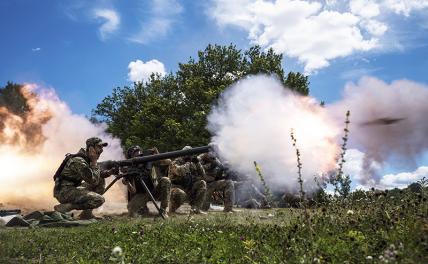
[114, 171]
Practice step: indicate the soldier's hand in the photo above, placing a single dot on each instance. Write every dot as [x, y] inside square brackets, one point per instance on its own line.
[195, 159]
[114, 171]
[92, 155]
[155, 150]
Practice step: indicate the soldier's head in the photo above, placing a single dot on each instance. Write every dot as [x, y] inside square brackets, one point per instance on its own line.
[95, 145]
[209, 156]
[133, 152]
[187, 157]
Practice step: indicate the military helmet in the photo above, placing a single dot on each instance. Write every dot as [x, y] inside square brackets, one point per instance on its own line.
[132, 150]
[93, 141]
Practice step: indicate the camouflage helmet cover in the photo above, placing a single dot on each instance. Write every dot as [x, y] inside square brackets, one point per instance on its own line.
[95, 141]
[131, 151]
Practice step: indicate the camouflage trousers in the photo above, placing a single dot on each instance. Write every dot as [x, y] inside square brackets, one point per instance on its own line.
[226, 188]
[196, 195]
[138, 202]
[82, 197]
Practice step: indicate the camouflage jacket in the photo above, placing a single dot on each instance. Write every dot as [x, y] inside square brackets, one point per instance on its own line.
[77, 170]
[184, 173]
[212, 167]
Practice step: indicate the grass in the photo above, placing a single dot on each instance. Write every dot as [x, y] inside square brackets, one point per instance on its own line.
[363, 229]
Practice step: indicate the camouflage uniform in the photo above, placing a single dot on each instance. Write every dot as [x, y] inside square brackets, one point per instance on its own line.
[159, 186]
[157, 183]
[69, 187]
[187, 177]
[216, 182]
[249, 196]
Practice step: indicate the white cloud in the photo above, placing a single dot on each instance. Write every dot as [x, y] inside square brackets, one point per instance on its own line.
[354, 167]
[403, 179]
[405, 7]
[36, 49]
[140, 71]
[163, 14]
[313, 32]
[364, 8]
[111, 21]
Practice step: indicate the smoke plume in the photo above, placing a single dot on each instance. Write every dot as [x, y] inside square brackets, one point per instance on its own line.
[388, 122]
[34, 143]
[253, 121]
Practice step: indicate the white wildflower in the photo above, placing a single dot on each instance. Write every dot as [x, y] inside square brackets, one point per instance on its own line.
[117, 251]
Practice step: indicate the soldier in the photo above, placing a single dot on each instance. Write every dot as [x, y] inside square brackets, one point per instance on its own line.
[187, 176]
[79, 182]
[249, 196]
[157, 183]
[216, 181]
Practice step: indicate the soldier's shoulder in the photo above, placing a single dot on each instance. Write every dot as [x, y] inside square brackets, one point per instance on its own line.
[78, 161]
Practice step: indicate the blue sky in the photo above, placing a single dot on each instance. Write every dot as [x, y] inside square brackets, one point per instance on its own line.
[60, 44]
[83, 49]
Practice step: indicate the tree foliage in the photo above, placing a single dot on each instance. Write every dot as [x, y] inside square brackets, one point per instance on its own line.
[171, 111]
[12, 98]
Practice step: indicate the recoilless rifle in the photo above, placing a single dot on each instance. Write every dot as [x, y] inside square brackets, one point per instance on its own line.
[134, 162]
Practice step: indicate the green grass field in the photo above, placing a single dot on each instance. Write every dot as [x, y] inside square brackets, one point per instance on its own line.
[370, 229]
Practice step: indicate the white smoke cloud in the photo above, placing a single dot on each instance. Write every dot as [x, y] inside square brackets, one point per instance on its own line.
[111, 21]
[253, 121]
[387, 123]
[27, 176]
[314, 32]
[140, 71]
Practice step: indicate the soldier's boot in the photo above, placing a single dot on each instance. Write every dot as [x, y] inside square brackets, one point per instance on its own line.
[87, 215]
[196, 210]
[164, 212]
[64, 208]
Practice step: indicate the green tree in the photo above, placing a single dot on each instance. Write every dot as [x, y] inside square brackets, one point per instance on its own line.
[12, 98]
[171, 111]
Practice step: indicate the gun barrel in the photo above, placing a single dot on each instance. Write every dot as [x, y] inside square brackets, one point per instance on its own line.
[165, 155]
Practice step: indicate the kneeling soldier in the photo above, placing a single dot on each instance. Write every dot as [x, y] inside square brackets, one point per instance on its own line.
[158, 185]
[187, 176]
[79, 182]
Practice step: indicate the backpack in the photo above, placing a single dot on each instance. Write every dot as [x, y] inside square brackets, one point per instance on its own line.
[68, 156]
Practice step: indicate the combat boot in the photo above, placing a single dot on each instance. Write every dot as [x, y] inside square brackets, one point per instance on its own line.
[197, 211]
[164, 213]
[87, 215]
[64, 208]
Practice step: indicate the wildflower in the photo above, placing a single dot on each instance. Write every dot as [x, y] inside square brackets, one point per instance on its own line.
[350, 212]
[242, 238]
[117, 251]
[369, 258]
[141, 232]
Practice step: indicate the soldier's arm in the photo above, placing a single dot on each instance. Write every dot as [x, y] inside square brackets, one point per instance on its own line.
[200, 171]
[84, 171]
[177, 170]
